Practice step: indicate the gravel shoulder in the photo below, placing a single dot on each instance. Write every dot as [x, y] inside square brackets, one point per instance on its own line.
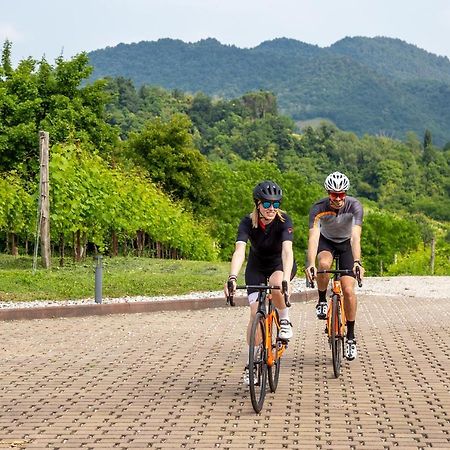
[401, 286]
[408, 286]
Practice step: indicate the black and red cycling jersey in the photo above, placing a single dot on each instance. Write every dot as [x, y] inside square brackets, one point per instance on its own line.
[266, 240]
[266, 243]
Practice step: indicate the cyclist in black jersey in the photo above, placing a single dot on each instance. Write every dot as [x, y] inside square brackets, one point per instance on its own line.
[270, 232]
[335, 224]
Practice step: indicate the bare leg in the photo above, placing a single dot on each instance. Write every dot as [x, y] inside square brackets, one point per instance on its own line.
[253, 310]
[324, 262]
[350, 302]
[277, 297]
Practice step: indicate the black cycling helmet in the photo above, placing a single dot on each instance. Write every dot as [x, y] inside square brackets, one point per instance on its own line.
[267, 190]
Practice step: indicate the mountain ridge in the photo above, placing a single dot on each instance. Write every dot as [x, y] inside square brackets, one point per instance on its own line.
[365, 85]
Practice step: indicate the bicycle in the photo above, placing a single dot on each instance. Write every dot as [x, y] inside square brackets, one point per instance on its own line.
[265, 362]
[336, 319]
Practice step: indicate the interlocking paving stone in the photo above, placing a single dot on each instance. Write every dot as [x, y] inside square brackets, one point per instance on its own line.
[173, 379]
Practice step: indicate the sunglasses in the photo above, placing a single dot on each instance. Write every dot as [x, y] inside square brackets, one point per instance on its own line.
[266, 205]
[337, 195]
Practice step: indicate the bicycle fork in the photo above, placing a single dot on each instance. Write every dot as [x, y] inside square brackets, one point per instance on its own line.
[339, 324]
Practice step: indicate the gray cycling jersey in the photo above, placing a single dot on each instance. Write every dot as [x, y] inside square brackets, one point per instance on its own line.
[336, 224]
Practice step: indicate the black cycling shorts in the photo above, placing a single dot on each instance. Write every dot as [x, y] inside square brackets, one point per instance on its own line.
[257, 274]
[341, 249]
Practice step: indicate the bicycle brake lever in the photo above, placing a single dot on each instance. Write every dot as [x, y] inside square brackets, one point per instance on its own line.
[230, 298]
[308, 282]
[284, 286]
[358, 277]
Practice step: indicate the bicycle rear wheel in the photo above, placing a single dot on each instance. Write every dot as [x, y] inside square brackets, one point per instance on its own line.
[336, 338]
[257, 362]
[274, 370]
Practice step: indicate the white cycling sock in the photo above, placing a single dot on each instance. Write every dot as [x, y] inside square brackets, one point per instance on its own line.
[284, 313]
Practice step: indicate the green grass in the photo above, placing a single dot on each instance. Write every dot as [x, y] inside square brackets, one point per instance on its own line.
[121, 277]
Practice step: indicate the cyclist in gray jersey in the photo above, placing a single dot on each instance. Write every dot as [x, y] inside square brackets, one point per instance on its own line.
[335, 224]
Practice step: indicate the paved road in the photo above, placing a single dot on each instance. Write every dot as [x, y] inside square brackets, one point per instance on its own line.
[169, 380]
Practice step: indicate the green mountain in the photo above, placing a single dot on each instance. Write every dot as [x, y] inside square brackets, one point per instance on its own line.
[395, 58]
[366, 85]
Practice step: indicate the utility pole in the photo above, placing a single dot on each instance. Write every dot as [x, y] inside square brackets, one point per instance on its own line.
[45, 199]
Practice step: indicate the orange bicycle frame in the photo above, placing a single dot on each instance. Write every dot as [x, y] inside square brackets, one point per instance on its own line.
[336, 289]
[271, 357]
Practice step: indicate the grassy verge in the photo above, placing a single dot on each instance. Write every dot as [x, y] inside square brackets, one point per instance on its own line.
[121, 277]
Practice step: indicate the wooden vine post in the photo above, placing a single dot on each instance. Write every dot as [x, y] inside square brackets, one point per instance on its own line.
[45, 199]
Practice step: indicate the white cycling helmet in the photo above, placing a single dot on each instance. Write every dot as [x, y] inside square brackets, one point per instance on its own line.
[337, 182]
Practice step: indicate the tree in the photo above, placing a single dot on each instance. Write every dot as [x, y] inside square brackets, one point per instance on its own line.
[429, 152]
[166, 150]
[6, 68]
[38, 96]
[385, 235]
[260, 103]
[427, 140]
[234, 184]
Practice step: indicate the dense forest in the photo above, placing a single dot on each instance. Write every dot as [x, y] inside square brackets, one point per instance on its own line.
[164, 173]
[379, 86]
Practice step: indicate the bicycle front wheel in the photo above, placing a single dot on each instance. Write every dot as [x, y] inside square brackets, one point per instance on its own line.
[336, 338]
[257, 362]
[274, 369]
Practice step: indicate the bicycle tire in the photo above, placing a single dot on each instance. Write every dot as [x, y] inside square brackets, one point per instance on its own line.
[257, 360]
[336, 338]
[274, 371]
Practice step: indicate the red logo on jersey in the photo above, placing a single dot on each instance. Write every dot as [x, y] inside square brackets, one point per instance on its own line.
[290, 230]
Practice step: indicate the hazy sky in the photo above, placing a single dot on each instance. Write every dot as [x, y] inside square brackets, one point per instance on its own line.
[54, 27]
